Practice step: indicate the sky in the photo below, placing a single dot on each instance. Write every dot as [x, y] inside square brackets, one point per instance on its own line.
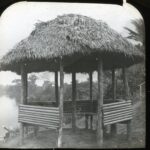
[18, 20]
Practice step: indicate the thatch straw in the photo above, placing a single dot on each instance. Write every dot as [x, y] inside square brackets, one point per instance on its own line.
[70, 36]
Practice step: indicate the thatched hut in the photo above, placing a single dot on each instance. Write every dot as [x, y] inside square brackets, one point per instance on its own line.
[73, 43]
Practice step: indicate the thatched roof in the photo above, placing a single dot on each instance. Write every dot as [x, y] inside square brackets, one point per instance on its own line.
[78, 40]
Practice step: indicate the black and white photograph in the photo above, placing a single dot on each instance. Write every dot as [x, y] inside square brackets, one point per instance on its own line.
[72, 75]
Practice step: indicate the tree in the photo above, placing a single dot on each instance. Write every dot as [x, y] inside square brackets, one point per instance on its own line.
[136, 73]
[138, 34]
[14, 91]
[32, 87]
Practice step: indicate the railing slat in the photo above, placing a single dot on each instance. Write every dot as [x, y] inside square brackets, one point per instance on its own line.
[38, 110]
[116, 106]
[39, 123]
[40, 120]
[118, 114]
[116, 103]
[35, 109]
[115, 111]
[39, 117]
[39, 107]
[118, 121]
[34, 112]
[117, 118]
[38, 114]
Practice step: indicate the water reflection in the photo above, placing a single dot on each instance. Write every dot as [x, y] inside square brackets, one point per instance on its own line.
[8, 114]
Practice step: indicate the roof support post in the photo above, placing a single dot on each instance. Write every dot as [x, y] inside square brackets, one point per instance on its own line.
[127, 96]
[24, 94]
[100, 103]
[61, 99]
[73, 101]
[56, 88]
[91, 98]
[91, 84]
[24, 84]
[113, 126]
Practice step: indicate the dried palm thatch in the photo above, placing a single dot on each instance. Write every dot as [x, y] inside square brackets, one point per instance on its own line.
[78, 40]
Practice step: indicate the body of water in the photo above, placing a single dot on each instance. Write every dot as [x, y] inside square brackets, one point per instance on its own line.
[8, 114]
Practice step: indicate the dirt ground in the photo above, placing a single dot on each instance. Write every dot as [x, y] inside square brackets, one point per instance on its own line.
[83, 138]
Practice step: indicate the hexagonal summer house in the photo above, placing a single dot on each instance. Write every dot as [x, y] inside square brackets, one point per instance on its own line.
[73, 43]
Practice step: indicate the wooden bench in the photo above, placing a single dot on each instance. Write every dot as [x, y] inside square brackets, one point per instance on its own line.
[117, 112]
[41, 116]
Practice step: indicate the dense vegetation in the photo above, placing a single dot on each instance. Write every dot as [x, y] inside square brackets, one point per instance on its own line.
[47, 91]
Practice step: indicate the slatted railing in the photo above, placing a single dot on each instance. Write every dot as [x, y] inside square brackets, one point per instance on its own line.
[37, 115]
[117, 112]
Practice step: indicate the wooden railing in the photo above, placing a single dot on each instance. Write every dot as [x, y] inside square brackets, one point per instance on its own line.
[113, 112]
[37, 115]
[117, 112]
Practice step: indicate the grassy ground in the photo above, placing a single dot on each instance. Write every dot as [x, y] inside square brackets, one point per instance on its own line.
[87, 138]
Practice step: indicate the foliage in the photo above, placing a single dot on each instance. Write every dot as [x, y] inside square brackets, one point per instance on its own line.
[136, 73]
[139, 33]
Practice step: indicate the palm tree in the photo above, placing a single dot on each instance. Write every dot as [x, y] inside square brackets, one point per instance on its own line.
[139, 33]
[138, 70]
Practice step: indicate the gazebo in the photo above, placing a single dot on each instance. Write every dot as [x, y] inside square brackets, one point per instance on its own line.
[71, 44]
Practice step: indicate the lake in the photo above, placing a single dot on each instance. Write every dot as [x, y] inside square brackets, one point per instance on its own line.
[8, 114]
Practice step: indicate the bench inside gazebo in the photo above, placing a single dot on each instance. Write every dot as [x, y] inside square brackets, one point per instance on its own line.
[71, 44]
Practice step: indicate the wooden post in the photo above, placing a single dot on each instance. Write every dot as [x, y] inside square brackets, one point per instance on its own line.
[91, 98]
[127, 96]
[114, 84]
[73, 101]
[140, 92]
[113, 126]
[126, 86]
[24, 93]
[61, 99]
[56, 89]
[91, 85]
[86, 121]
[100, 103]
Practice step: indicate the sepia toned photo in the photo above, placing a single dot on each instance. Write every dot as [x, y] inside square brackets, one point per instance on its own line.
[72, 75]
